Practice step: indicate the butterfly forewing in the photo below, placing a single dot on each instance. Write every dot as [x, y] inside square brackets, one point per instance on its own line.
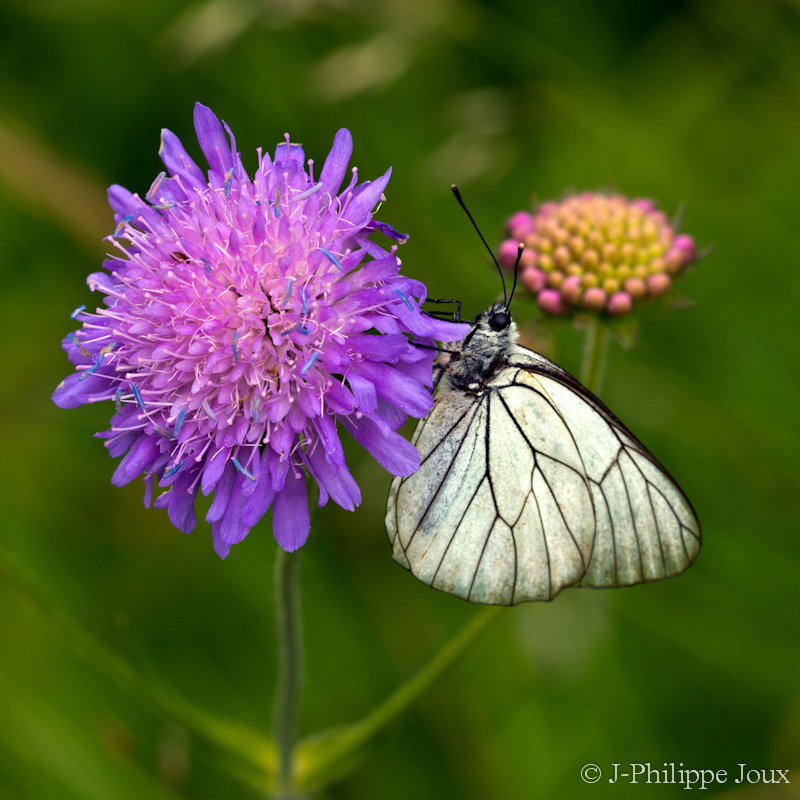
[500, 510]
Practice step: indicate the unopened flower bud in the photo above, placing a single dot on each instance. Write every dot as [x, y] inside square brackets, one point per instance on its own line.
[549, 301]
[520, 225]
[571, 289]
[528, 258]
[555, 278]
[686, 245]
[507, 253]
[645, 205]
[636, 288]
[619, 304]
[533, 279]
[594, 299]
[658, 284]
[561, 256]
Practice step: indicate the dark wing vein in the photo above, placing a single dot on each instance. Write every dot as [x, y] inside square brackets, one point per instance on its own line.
[439, 487]
[447, 435]
[652, 508]
[456, 529]
[633, 519]
[561, 376]
[488, 475]
[532, 446]
[677, 519]
[544, 536]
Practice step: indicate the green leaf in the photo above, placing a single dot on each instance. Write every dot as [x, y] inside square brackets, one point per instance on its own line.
[330, 755]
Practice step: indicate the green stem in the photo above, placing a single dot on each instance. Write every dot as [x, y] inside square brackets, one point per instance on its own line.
[595, 353]
[326, 756]
[290, 658]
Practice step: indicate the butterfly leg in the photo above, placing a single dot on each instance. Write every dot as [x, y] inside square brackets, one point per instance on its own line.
[454, 317]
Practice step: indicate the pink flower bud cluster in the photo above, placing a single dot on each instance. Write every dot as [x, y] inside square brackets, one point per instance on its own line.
[596, 253]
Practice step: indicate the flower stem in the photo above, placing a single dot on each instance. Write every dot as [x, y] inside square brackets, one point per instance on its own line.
[595, 352]
[290, 658]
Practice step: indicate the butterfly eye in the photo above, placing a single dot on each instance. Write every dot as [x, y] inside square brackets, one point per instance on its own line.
[499, 321]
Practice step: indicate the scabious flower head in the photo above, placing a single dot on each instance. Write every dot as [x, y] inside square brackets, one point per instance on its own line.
[242, 320]
[595, 252]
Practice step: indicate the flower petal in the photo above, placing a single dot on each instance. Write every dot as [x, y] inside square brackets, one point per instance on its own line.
[406, 393]
[261, 498]
[360, 207]
[291, 522]
[178, 161]
[143, 452]
[222, 493]
[181, 506]
[212, 139]
[394, 453]
[336, 163]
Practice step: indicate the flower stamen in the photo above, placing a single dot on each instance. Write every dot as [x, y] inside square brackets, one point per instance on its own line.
[138, 397]
[74, 339]
[249, 475]
[121, 226]
[155, 186]
[333, 259]
[310, 363]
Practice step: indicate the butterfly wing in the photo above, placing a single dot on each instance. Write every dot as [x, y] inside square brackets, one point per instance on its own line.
[531, 486]
[646, 527]
[501, 508]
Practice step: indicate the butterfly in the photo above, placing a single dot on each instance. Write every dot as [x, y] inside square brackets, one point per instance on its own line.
[529, 484]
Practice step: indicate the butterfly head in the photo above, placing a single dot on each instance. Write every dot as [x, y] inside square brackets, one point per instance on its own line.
[495, 324]
[494, 334]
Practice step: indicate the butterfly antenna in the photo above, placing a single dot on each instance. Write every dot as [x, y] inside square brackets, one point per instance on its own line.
[475, 225]
[516, 272]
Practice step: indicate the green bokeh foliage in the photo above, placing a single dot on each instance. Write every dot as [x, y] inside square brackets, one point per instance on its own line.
[695, 103]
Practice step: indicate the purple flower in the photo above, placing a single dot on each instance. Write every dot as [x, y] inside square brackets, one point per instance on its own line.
[242, 320]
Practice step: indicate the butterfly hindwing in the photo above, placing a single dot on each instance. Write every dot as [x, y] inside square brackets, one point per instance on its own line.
[646, 527]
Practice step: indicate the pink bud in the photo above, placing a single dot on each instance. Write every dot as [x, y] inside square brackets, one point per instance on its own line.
[686, 245]
[549, 301]
[658, 284]
[533, 279]
[594, 299]
[673, 261]
[507, 253]
[529, 258]
[562, 256]
[620, 303]
[520, 225]
[660, 217]
[636, 288]
[571, 289]
[645, 205]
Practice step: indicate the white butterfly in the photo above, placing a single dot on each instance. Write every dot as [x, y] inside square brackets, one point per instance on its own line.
[529, 484]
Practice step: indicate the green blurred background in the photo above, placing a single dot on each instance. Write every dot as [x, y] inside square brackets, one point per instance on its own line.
[687, 102]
